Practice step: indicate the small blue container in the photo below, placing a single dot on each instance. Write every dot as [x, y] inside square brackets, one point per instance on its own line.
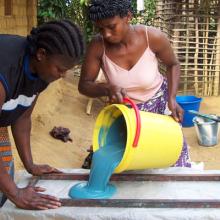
[188, 103]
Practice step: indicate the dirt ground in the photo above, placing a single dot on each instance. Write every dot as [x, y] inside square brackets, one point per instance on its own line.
[62, 105]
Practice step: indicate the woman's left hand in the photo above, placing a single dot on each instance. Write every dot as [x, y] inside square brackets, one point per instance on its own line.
[38, 170]
[177, 111]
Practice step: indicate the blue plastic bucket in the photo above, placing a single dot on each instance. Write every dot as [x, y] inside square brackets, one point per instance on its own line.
[188, 103]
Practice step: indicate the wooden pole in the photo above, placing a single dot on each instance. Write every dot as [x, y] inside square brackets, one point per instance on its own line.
[142, 203]
[196, 55]
[187, 52]
[206, 81]
[129, 177]
[211, 75]
[217, 75]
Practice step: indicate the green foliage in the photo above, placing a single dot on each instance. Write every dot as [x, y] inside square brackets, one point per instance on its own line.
[51, 9]
[134, 5]
[76, 10]
[146, 16]
[84, 2]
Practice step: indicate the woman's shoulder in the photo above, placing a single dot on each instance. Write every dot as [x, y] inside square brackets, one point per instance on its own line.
[96, 45]
[154, 32]
[140, 28]
[97, 40]
[151, 31]
[156, 37]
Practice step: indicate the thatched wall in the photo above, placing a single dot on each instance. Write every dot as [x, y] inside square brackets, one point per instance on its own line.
[193, 27]
[22, 18]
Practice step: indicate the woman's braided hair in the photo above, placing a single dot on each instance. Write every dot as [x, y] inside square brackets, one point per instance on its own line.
[57, 37]
[101, 9]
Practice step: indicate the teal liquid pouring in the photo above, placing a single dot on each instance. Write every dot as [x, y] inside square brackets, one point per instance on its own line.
[104, 162]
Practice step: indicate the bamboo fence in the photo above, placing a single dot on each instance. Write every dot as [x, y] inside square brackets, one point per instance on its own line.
[193, 27]
[17, 16]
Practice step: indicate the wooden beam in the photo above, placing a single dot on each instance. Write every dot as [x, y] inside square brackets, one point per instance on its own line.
[133, 177]
[136, 203]
[142, 203]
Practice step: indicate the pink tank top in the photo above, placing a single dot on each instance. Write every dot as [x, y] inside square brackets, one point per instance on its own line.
[141, 82]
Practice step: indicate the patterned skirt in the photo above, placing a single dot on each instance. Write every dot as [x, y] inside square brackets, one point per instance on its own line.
[5, 156]
[158, 104]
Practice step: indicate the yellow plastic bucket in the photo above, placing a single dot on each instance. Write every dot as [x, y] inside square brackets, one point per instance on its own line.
[153, 140]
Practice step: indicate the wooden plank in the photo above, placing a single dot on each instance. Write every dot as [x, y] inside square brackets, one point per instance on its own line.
[171, 16]
[33, 181]
[134, 177]
[141, 203]
[136, 203]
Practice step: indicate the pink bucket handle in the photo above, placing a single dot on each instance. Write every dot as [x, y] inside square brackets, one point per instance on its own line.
[138, 120]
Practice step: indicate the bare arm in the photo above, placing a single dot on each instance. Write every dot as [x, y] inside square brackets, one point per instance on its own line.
[21, 131]
[28, 197]
[7, 185]
[163, 50]
[90, 71]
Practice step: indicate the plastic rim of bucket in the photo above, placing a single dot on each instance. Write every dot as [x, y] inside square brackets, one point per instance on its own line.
[188, 103]
[123, 109]
[127, 156]
[188, 99]
[208, 122]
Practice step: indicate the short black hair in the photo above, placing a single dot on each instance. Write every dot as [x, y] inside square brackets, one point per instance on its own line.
[101, 9]
[57, 37]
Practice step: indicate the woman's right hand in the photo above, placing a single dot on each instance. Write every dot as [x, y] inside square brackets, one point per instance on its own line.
[30, 198]
[116, 94]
